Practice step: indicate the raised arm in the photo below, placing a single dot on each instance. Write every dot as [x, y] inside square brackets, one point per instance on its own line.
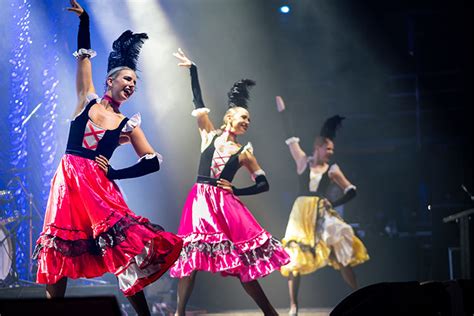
[84, 53]
[200, 111]
[299, 156]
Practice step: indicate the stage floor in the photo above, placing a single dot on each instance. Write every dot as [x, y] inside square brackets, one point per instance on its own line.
[302, 312]
[35, 291]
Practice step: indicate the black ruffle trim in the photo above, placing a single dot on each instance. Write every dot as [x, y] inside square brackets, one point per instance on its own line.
[262, 253]
[209, 249]
[251, 257]
[303, 247]
[94, 246]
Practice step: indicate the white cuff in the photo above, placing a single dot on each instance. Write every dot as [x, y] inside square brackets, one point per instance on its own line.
[292, 140]
[83, 52]
[197, 112]
[257, 173]
[350, 187]
[151, 156]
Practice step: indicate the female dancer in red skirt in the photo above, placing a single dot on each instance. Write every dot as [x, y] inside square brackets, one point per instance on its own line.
[88, 229]
[219, 232]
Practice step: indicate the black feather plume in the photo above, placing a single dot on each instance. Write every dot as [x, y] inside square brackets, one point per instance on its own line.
[125, 50]
[239, 93]
[330, 126]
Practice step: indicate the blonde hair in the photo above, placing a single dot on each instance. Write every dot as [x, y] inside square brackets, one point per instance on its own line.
[114, 73]
[230, 112]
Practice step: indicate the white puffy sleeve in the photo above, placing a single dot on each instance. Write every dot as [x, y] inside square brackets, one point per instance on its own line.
[91, 96]
[134, 121]
[334, 168]
[206, 138]
[248, 148]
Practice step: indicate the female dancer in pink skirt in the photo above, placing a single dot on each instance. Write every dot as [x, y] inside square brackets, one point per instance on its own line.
[219, 232]
[88, 228]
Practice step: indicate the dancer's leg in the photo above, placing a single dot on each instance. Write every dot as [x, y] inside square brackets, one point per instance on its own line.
[255, 291]
[349, 276]
[347, 273]
[185, 288]
[139, 303]
[57, 289]
[293, 287]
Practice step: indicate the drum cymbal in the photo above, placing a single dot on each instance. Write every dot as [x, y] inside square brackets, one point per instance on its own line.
[9, 220]
[6, 195]
[6, 251]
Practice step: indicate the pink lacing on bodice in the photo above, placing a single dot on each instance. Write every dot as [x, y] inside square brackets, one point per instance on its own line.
[218, 163]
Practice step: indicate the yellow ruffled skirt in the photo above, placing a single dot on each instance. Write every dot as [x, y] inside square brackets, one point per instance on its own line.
[316, 237]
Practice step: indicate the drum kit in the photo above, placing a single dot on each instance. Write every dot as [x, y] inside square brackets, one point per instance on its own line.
[8, 227]
[6, 247]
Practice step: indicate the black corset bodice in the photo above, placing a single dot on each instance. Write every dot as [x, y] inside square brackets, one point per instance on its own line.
[89, 140]
[206, 161]
[303, 184]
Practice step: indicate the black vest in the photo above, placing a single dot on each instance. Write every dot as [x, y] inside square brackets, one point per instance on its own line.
[230, 169]
[303, 184]
[106, 145]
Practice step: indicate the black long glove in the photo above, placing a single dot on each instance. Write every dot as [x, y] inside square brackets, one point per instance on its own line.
[349, 195]
[143, 167]
[285, 117]
[197, 96]
[84, 35]
[261, 185]
[287, 124]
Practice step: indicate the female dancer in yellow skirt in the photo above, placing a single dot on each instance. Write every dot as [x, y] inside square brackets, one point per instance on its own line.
[316, 235]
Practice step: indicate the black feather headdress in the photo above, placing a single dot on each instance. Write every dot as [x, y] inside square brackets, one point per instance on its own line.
[330, 126]
[125, 50]
[239, 93]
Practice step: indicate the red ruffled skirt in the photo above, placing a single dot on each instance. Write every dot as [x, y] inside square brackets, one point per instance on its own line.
[221, 235]
[89, 230]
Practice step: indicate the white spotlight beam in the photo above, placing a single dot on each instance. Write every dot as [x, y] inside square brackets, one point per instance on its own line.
[110, 19]
[163, 82]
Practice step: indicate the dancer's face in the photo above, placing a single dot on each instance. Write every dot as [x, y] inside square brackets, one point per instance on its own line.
[238, 119]
[122, 85]
[324, 151]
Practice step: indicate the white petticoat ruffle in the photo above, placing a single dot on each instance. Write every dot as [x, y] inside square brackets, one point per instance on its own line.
[338, 235]
[140, 268]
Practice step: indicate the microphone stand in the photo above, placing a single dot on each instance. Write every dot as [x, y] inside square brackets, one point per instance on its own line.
[463, 187]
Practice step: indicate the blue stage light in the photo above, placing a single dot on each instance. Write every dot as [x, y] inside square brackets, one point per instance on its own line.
[284, 9]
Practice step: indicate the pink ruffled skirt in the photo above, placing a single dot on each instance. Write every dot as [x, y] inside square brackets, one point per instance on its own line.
[221, 235]
[89, 230]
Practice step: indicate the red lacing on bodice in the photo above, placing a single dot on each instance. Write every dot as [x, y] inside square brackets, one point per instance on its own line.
[92, 135]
